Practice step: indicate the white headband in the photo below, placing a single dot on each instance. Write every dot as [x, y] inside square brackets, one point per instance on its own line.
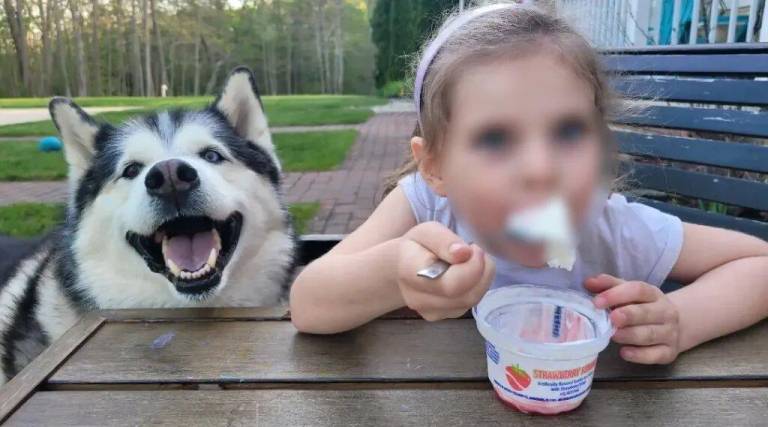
[437, 43]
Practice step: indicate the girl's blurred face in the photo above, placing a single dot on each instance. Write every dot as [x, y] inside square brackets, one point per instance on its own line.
[520, 131]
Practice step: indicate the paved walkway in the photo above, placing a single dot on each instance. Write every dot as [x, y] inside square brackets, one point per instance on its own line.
[347, 195]
[10, 116]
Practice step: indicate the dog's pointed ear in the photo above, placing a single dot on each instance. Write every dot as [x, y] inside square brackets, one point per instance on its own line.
[240, 103]
[78, 133]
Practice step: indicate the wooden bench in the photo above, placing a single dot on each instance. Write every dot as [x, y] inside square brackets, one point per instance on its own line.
[702, 137]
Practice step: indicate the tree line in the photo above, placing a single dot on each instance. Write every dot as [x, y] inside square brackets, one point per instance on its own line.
[400, 27]
[137, 47]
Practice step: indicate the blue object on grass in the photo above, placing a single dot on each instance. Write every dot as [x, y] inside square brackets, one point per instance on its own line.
[49, 143]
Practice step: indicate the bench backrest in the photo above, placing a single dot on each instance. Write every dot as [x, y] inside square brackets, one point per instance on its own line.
[717, 94]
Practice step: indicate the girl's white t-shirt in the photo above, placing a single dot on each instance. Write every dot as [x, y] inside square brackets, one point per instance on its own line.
[631, 241]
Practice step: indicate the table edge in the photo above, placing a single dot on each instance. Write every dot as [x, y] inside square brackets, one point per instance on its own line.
[15, 392]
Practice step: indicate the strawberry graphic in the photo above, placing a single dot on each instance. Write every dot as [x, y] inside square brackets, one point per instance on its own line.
[517, 378]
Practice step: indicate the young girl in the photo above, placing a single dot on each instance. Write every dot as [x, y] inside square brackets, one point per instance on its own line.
[512, 109]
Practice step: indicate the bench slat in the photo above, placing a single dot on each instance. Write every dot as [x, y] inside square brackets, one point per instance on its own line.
[258, 352]
[716, 91]
[716, 64]
[732, 155]
[698, 216]
[395, 406]
[687, 49]
[313, 246]
[732, 191]
[745, 123]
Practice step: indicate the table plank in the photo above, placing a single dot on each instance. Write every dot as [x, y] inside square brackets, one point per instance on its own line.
[224, 314]
[196, 314]
[699, 407]
[20, 387]
[384, 350]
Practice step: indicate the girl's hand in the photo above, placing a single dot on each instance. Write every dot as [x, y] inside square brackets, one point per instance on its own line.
[458, 289]
[645, 318]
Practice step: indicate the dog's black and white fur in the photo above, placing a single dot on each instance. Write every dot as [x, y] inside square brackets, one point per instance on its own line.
[174, 209]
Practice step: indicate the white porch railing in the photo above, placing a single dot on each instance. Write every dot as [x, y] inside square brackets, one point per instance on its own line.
[620, 23]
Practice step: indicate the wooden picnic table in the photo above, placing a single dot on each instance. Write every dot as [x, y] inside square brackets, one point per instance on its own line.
[250, 367]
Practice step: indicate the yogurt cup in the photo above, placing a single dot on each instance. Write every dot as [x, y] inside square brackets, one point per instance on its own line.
[541, 345]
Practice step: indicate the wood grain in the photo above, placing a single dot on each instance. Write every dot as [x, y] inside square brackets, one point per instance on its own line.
[19, 389]
[385, 350]
[459, 407]
[224, 314]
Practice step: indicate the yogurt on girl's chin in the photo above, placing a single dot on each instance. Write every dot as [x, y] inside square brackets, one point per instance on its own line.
[549, 224]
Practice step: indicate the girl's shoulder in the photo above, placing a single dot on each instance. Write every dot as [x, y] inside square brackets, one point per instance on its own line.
[425, 203]
[643, 242]
[633, 219]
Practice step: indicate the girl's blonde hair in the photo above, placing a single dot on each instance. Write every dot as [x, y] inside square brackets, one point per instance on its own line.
[513, 31]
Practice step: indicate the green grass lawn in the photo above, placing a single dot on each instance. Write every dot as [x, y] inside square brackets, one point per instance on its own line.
[29, 219]
[298, 110]
[313, 151]
[22, 161]
[299, 152]
[302, 214]
[34, 219]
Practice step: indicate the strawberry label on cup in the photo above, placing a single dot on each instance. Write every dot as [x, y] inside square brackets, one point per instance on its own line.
[541, 345]
[517, 378]
[539, 385]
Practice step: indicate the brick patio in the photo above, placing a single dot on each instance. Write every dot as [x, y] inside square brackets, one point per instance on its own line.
[347, 195]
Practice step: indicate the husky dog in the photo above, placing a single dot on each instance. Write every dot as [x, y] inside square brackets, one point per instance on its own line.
[173, 209]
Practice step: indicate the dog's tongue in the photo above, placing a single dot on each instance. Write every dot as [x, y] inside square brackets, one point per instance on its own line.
[190, 252]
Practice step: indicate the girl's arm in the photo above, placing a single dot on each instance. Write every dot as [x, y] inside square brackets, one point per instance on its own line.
[373, 271]
[355, 281]
[728, 290]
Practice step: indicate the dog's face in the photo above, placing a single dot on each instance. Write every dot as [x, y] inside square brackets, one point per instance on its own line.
[177, 198]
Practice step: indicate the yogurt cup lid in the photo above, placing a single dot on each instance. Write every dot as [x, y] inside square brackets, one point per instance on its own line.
[543, 322]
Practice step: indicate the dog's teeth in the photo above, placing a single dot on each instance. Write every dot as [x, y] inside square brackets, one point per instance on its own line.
[216, 240]
[175, 270]
[214, 255]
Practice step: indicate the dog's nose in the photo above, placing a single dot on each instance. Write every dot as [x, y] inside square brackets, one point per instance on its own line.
[171, 177]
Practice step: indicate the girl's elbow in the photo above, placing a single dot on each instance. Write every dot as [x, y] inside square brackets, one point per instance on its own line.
[303, 315]
[301, 323]
[299, 316]
[305, 323]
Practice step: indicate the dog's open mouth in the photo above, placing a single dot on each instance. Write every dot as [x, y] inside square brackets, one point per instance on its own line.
[191, 252]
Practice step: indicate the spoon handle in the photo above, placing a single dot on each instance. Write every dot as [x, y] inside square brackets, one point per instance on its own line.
[434, 271]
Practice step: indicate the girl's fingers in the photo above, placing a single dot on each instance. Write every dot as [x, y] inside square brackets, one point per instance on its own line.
[433, 307]
[643, 314]
[435, 315]
[462, 278]
[441, 241]
[627, 293]
[414, 257]
[644, 335]
[655, 354]
[423, 301]
[601, 283]
[488, 274]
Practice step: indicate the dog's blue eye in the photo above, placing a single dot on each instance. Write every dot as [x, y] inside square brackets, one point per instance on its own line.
[211, 155]
[132, 170]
